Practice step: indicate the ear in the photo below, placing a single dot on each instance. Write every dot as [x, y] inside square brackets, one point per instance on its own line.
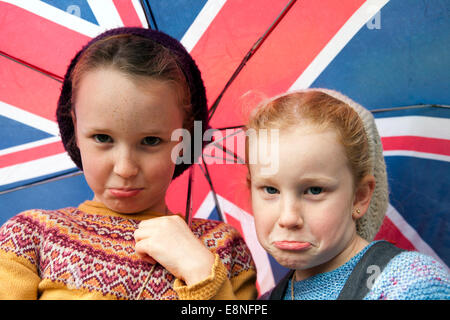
[248, 179]
[74, 120]
[181, 154]
[363, 195]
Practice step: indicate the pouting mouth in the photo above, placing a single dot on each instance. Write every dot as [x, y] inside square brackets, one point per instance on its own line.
[125, 192]
[292, 245]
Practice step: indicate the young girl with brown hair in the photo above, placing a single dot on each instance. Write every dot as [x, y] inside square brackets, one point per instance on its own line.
[123, 95]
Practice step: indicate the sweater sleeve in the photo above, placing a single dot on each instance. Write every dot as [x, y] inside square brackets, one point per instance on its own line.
[218, 287]
[233, 275]
[19, 277]
[412, 276]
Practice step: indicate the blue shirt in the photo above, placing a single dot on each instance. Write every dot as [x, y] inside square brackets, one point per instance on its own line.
[408, 276]
[327, 285]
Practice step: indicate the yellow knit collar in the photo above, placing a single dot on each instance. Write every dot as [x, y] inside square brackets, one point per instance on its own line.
[98, 208]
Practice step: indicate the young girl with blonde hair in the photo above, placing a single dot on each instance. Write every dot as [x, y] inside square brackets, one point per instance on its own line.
[318, 213]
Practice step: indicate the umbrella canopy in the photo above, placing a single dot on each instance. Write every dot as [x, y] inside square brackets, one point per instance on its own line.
[383, 54]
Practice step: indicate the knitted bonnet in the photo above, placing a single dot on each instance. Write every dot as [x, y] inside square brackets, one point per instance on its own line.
[185, 62]
[369, 224]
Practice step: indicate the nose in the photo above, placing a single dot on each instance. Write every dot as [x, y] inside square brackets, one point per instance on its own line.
[291, 216]
[124, 164]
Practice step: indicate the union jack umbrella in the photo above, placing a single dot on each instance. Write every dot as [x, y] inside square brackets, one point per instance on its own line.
[393, 57]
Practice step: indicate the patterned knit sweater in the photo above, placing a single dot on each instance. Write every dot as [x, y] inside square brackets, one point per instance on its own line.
[408, 276]
[88, 253]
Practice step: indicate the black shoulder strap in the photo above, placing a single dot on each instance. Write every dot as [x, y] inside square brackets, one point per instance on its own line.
[367, 270]
[279, 290]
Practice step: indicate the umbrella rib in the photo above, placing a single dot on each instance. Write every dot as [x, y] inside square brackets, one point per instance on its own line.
[146, 4]
[233, 127]
[236, 158]
[227, 160]
[223, 148]
[188, 213]
[410, 107]
[228, 136]
[208, 178]
[249, 54]
[32, 67]
[37, 183]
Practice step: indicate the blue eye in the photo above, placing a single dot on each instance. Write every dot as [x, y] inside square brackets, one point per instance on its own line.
[102, 138]
[151, 141]
[314, 190]
[271, 190]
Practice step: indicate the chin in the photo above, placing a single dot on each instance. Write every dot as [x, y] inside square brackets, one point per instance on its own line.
[125, 207]
[292, 264]
[288, 260]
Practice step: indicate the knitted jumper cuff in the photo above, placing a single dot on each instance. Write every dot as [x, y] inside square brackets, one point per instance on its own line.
[205, 289]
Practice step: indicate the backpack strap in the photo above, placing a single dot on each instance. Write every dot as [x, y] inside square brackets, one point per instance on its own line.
[371, 265]
[279, 290]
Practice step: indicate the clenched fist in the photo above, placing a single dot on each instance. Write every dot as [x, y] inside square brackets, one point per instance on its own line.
[169, 241]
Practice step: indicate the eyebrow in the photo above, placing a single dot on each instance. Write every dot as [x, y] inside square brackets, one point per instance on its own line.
[262, 179]
[156, 133]
[269, 180]
[95, 129]
[319, 179]
[143, 133]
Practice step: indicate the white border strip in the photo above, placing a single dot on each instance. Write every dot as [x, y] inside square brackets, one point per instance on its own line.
[35, 168]
[265, 277]
[416, 154]
[58, 16]
[106, 14]
[206, 207]
[201, 23]
[411, 234]
[337, 43]
[28, 118]
[29, 145]
[140, 12]
[429, 127]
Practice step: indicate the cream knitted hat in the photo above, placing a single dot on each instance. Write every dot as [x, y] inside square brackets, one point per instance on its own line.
[369, 224]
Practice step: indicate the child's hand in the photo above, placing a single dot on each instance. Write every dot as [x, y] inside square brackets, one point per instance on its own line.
[169, 241]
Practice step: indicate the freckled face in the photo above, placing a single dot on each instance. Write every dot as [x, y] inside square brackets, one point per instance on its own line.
[123, 130]
[303, 212]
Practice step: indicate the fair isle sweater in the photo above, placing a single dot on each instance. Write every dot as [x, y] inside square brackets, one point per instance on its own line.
[88, 253]
[408, 276]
